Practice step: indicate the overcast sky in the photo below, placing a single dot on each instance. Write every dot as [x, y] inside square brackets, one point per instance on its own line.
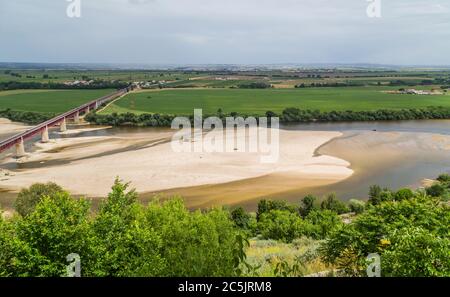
[226, 32]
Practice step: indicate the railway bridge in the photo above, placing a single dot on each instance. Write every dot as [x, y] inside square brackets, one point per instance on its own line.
[18, 139]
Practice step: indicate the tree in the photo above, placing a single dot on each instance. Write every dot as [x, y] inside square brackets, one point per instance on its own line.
[436, 190]
[323, 223]
[268, 205]
[281, 225]
[444, 178]
[128, 247]
[403, 194]
[28, 198]
[375, 231]
[240, 218]
[333, 204]
[307, 205]
[415, 252]
[356, 206]
[56, 228]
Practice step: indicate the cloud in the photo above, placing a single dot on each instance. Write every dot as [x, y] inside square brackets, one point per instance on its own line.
[232, 31]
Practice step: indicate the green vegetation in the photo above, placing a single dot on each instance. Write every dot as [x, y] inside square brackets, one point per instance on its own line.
[289, 115]
[28, 198]
[410, 230]
[258, 102]
[122, 239]
[48, 101]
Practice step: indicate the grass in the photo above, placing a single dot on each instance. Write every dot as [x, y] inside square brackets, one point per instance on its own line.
[51, 101]
[266, 254]
[257, 102]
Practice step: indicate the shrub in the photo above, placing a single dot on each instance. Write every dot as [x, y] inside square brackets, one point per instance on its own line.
[281, 225]
[356, 206]
[322, 223]
[28, 198]
[307, 205]
[240, 218]
[403, 194]
[436, 190]
[333, 204]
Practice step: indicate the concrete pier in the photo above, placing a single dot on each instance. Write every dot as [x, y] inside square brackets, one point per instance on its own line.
[63, 126]
[20, 149]
[76, 117]
[45, 137]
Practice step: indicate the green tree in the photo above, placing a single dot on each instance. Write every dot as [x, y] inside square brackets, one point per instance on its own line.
[415, 252]
[307, 205]
[323, 223]
[332, 203]
[281, 225]
[56, 228]
[356, 206]
[240, 217]
[28, 198]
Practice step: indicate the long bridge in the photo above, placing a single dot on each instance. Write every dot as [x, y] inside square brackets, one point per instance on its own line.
[18, 139]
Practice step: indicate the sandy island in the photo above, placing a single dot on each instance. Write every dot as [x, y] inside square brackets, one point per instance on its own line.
[88, 165]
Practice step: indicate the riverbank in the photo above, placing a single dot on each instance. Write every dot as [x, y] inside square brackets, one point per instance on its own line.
[88, 165]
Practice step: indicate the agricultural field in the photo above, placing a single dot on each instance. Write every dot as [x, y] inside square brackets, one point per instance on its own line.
[48, 101]
[257, 101]
[60, 76]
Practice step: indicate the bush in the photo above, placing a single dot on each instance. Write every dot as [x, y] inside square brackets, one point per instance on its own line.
[403, 194]
[307, 205]
[356, 206]
[28, 198]
[375, 231]
[436, 190]
[240, 218]
[281, 225]
[123, 239]
[268, 205]
[323, 223]
[333, 204]
[444, 178]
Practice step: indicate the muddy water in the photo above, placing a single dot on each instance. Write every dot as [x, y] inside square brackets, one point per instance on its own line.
[391, 154]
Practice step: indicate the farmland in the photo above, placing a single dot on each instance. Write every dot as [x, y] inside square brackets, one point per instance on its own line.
[256, 102]
[47, 101]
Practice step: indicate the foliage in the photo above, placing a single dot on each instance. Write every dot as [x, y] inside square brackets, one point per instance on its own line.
[374, 231]
[332, 203]
[268, 205]
[356, 206]
[122, 239]
[307, 205]
[27, 199]
[281, 225]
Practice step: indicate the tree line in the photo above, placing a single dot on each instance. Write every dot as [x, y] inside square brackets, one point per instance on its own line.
[97, 84]
[288, 115]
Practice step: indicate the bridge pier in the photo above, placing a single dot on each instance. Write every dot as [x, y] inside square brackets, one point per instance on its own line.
[76, 118]
[63, 126]
[45, 137]
[88, 109]
[20, 149]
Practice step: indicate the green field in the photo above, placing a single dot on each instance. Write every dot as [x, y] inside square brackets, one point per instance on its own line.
[256, 102]
[52, 101]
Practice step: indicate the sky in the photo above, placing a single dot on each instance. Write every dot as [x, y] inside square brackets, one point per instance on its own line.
[409, 32]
